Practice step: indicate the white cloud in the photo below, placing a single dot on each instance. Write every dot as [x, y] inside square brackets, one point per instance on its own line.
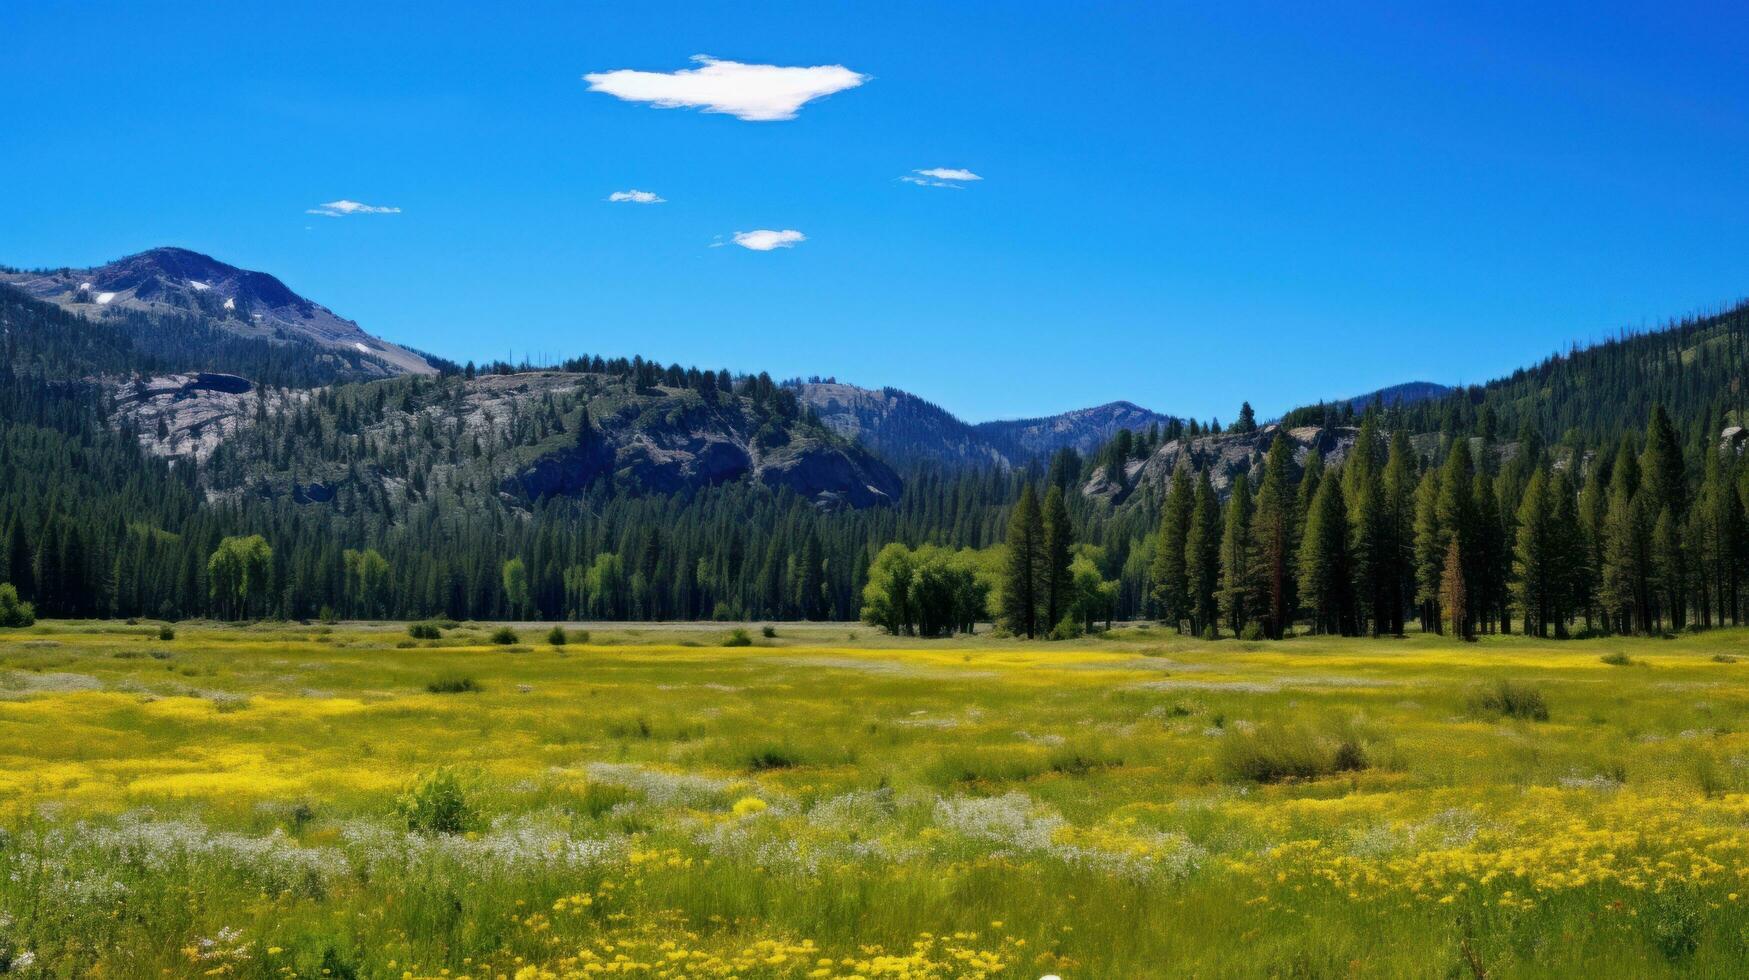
[949, 173]
[756, 93]
[342, 208]
[764, 240]
[940, 177]
[636, 197]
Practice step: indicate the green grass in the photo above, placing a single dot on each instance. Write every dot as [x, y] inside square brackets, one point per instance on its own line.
[280, 799]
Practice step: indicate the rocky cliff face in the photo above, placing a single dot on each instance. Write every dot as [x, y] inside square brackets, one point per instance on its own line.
[187, 416]
[1230, 454]
[250, 304]
[1226, 456]
[523, 436]
[665, 440]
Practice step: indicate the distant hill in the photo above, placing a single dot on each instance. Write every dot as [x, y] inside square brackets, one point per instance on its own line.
[1407, 393]
[899, 425]
[1083, 430]
[905, 428]
[182, 283]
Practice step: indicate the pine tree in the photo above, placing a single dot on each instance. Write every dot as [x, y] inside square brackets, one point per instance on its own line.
[1626, 569]
[1056, 583]
[1567, 546]
[1593, 513]
[1020, 593]
[1453, 593]
[1534, 567]
[1669, 569]
[1326, 575]
[1663, 476]
[1457, 521]
[1202, 554]
[1398, 570]
[1430, 552]
[1363, 492]
[1171, 583]
[18, 561]
[1238, 579]
[1718, 541]
[1492, 563]
[1274, 532]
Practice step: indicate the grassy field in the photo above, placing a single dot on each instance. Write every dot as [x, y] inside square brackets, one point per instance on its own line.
[347, 801]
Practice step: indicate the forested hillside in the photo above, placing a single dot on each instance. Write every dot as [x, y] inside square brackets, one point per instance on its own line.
[146, 453]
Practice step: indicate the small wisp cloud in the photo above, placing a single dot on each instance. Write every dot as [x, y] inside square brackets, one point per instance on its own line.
[636, 197]
[755, 93]
[766, 239]
[343, 208]
[940, 177]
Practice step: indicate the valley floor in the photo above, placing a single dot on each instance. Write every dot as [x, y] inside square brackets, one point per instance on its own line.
[276, 801]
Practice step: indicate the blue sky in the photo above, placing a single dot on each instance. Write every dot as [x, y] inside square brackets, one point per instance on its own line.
[1180, 206]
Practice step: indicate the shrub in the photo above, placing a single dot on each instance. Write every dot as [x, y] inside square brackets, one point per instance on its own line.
[454, 684]
[424, 631]
[504, 636]
[1511, 700]
[1617, 659]
[771, 757]
[1723, 658]
[556, 636]
[1275, 753]
[738, 638]
[437, 804]
[1210, 633]
[13, 611]
[1068, 629]
[166, 632]
[1676, 922]
[1252, 632]
[769, 632]
[1070, 762]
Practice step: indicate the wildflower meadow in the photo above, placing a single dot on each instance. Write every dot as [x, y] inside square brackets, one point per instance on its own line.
[353, 801]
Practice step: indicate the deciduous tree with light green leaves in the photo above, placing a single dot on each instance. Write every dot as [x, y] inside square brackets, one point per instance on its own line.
[238, 575]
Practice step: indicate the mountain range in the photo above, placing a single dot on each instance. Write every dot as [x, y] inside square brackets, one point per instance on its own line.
[143, 422]
[189, 398]
[238, 301]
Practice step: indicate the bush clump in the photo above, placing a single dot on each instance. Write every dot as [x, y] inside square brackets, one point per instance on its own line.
[1509, 700]
[1617, 659]
[556, 636]
[15, 612]
[166, 632]
[454, 684]
[770, 758]
[424, 631]
[738, 638]
[504, 636]
[437, 804]
[769, 632]
[1276, 753]
[1253, 632]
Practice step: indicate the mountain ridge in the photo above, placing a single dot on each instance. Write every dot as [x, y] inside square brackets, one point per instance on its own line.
[174, 280]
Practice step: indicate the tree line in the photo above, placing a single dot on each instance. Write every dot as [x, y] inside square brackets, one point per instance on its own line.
[1482, 538]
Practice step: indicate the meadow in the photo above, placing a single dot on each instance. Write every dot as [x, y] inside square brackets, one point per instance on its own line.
[349, 801]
